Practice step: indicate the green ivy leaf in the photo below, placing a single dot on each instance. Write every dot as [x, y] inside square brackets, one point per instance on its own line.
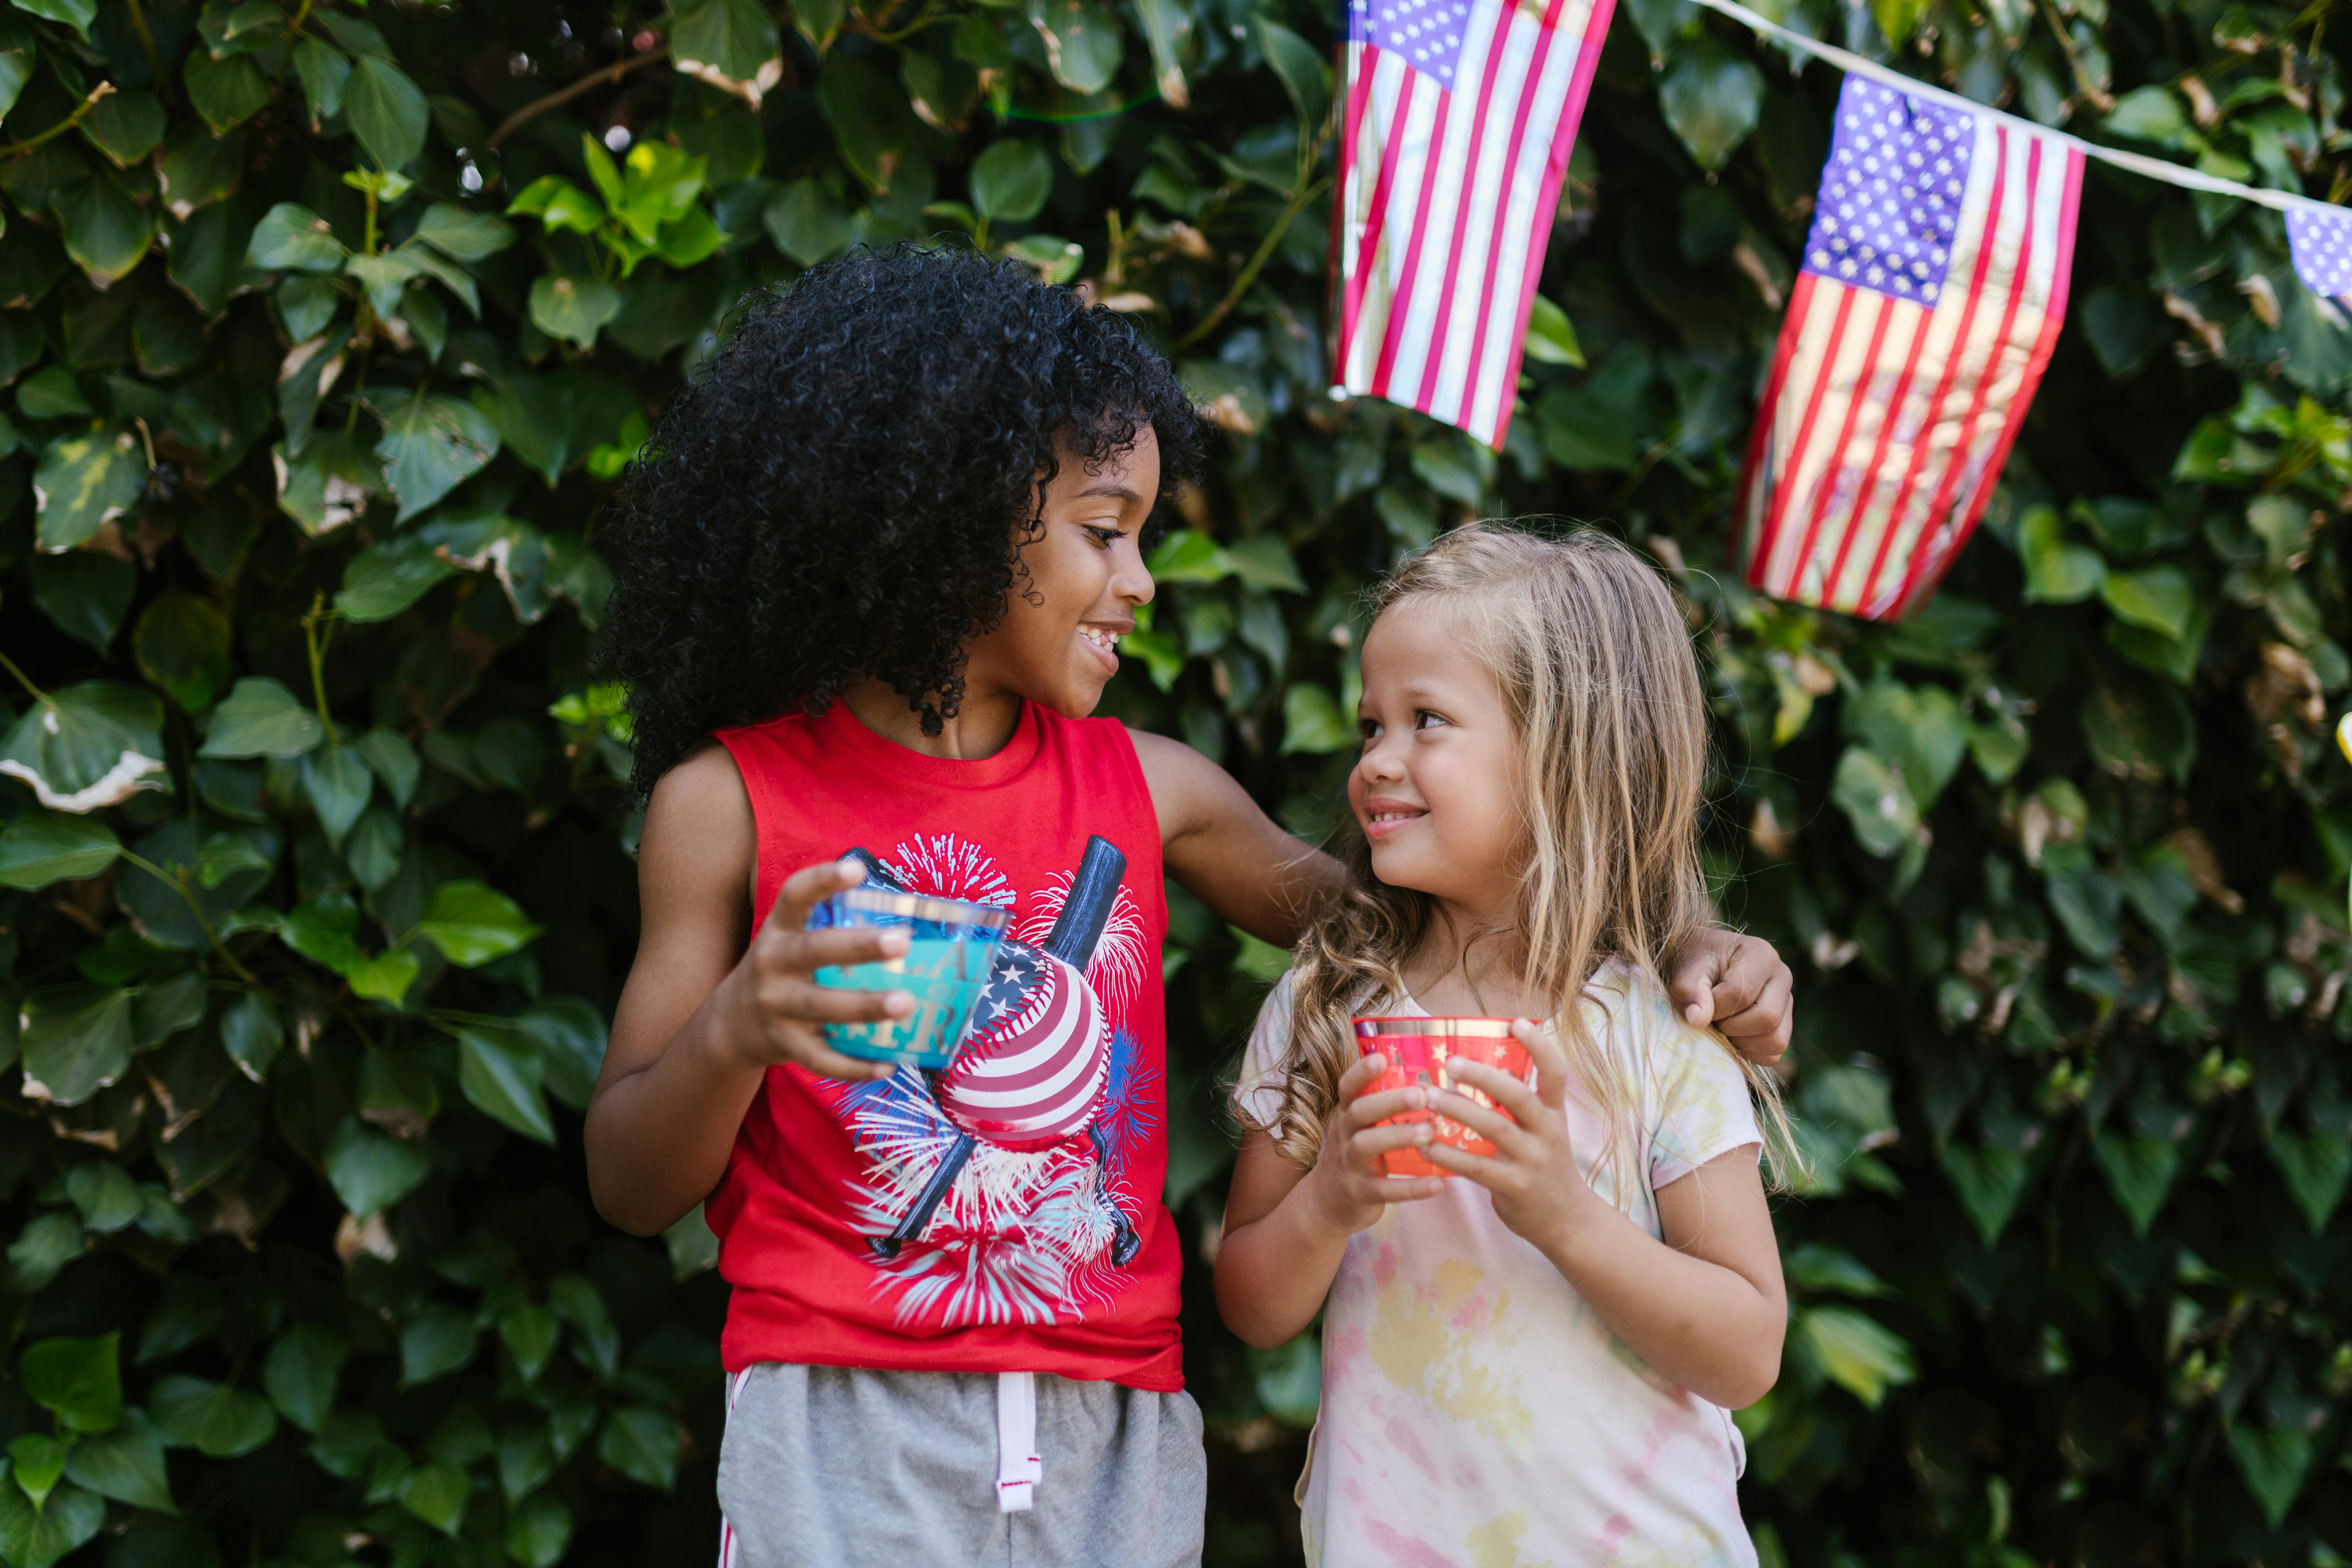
[85, 481]
[1185, 556]
[462, 235]
[125, 1463]
[75, 14]
[42, 846]
[105, 230]
[571, 1037]
[106, 1195]
[78, 1380]
[1288, 1379]
[47, 1244]
[642, 1445]
[1303, 71]
[2157, 598]
[252, 1035]
[502, 1079]
[1989, 1183]
[1876, 801]
[37, 1463]
[1551, 336]
[338, 782]
[1011, 181]
[182, 646]
[572, 308]
[75, 1040]
[472, 923]
[2315, 1169]
[35, 1538]
[437, 1493]
[218, 1420]
[732, 45]
[807, 222]
[370, 1172]
[225, 91]
[259, 718]
[2139, 1172]
[1313, 723]
[386, 111]
[126, 125]
[435, 1342]
[85, 592]
[2273, 1461]
[551, 422]
[692, 1248]
[539, 1531]
[323, 928]
[1855, 1352]
[1711, 98]
[87, 746]
[431, 444]
[530, 1334]
[325, 71]
[289, 236]
[1083, 42]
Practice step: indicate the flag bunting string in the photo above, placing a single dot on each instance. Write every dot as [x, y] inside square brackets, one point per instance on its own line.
[2136, 163]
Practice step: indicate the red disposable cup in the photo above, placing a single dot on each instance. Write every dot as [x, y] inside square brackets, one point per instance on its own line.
[1418, 1051]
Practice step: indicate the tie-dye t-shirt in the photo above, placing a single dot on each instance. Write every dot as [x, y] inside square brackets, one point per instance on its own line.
[1477, 1414]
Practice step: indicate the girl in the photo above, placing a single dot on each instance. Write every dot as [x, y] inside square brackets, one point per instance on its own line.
[1529, 1363]
[872, 576]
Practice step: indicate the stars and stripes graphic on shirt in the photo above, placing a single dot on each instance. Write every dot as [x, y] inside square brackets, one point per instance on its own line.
[1457, 120]
[1933, 288]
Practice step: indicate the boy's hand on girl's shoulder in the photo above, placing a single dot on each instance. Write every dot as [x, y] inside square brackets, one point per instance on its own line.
[1348, 1190]
[1738, 985]
[1532, 1175]
[778, 1011]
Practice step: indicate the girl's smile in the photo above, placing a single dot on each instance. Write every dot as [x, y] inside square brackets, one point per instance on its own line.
[1382, 816]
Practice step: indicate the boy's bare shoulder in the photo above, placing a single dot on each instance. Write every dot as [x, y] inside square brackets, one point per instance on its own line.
[699, 823]
[1186, 788]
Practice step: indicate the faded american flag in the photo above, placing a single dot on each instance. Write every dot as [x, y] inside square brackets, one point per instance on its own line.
[1933, 287]
[1457, 118]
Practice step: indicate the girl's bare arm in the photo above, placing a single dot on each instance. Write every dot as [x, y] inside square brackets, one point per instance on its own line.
[709, 1007]
[1706, 1306]
[1286, 1229]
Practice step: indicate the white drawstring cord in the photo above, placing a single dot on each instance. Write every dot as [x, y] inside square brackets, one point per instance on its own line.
[1018, 1468]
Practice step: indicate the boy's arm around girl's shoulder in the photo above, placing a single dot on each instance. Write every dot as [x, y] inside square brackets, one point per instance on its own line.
[710, 1004]
[1223, 850]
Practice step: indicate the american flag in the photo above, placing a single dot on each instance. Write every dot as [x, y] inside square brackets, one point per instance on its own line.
[1459, 115]
[1933, 287]
[2321, 244]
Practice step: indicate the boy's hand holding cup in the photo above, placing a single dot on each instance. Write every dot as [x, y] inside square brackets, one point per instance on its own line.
[779, 1009]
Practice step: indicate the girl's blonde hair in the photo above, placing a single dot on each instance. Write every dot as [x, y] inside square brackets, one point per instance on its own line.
[1594, 666]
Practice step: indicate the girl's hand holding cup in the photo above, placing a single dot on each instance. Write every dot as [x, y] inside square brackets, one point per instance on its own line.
[1350, 1193]
[778, 1009]
[1538, 1191]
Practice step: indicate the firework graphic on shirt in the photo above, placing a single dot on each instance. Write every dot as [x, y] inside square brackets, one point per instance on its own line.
[1018, 1235]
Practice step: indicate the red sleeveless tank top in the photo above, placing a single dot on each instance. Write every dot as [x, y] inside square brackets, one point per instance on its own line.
[858, 1225]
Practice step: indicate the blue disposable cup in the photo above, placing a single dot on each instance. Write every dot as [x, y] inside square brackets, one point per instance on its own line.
[951, 946]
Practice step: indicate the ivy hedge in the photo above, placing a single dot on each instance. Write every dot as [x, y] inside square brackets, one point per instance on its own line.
[326, 330]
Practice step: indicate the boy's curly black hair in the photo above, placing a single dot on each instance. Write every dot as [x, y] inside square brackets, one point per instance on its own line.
[844, 491]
